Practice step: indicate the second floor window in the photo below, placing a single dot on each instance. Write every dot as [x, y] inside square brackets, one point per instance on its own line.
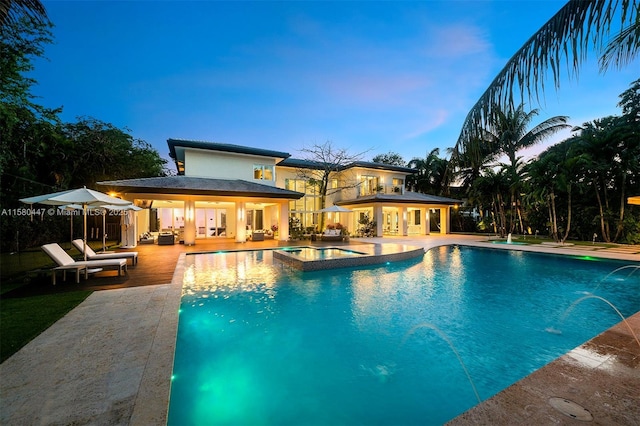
[263, 172]
[369, 185]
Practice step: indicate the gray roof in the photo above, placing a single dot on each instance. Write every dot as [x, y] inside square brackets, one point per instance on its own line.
[309, 164]
[185, 185]
[407, 198]
[380, 166]
[224, 147]
[176, 150]
[299, 163]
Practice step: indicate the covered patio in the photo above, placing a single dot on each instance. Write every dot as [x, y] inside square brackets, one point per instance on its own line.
[195, 209]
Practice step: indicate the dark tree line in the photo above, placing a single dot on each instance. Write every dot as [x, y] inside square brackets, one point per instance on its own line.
[40, 153]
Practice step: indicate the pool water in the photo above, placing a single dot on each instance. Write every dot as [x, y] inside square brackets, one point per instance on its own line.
[260, 344]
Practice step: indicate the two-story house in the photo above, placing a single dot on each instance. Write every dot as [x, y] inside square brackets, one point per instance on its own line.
[231, 191]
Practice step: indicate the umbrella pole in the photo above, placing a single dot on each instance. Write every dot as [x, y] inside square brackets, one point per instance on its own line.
[84, 211]
[104, 228]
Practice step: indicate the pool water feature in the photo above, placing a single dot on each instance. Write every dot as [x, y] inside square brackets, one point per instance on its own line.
[513, 243]
[260, 344]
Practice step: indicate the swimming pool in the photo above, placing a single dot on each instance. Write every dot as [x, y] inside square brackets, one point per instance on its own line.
[259, 344]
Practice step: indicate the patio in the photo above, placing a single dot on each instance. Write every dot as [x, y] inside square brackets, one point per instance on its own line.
[109, 361]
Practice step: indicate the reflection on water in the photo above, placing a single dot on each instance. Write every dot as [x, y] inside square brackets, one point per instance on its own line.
[229, 271]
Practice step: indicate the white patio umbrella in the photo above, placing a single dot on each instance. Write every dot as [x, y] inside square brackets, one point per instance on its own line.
[335, 209]
[84, 197]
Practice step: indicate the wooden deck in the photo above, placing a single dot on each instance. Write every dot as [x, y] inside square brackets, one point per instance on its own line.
[156, 264]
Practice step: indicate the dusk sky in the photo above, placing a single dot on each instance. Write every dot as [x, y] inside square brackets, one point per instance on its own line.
[369, 76]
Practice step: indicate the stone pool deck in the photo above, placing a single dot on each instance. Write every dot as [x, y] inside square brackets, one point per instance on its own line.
[109, 362]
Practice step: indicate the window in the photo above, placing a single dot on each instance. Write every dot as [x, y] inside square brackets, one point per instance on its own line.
[369, 185]
[305, 207]
[263, 172]
[398, 185]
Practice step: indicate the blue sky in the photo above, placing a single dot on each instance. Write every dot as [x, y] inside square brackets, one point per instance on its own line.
[369, 76]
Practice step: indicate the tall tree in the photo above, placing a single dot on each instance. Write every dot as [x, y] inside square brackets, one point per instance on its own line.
[610, 149]
[391, 158]
[327, 161]
[432, 176]
[511, 132]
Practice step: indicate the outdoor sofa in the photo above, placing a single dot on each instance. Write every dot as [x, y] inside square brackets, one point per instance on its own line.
[332, 235]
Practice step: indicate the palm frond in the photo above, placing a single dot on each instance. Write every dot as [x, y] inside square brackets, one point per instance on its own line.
[12, 10]
[622, 48]
[562, 42]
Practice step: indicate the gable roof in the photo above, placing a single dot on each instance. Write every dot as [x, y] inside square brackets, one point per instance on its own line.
[185, 185]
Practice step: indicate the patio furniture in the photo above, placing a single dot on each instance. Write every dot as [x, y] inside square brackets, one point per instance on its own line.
[332, 235]
[66, 262]
[166, 239]
[92, 255]
[146, 238]
[257, 236]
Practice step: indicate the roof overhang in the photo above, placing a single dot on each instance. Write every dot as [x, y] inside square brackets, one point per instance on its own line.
[177, 149]
[184, 185]
[406, 198]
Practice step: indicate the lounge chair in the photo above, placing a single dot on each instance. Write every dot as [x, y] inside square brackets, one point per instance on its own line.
[66, 263]
[92, 255]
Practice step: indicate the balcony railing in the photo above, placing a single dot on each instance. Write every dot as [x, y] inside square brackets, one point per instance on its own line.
[382, 189]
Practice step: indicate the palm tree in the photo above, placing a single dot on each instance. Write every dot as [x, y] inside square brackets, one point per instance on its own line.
[610, 152]
[566, 37]
[432, 175]
[491, 185]
[510, 133]
[12, 10]
[510, 130]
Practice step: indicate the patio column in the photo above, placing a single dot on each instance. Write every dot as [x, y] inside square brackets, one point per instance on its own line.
[445, 220]
[428, 222]
[241, 222]
[189, 223]
[404, 224]
[283, 224]
[379, 218]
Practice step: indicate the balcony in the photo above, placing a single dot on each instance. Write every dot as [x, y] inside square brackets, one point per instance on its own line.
[381, 189]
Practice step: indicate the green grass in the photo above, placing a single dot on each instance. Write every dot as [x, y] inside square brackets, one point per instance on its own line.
[24, 318]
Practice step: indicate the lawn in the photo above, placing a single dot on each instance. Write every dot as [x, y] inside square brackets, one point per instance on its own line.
[24, 318]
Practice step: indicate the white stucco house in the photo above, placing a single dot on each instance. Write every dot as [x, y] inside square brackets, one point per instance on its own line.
[232, 191]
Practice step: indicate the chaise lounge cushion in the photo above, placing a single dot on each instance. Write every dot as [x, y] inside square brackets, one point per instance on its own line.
[92, 255]
[66, 262]
[331, 235]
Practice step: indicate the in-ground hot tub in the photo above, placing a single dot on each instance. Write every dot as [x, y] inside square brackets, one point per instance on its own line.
[320, 258]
